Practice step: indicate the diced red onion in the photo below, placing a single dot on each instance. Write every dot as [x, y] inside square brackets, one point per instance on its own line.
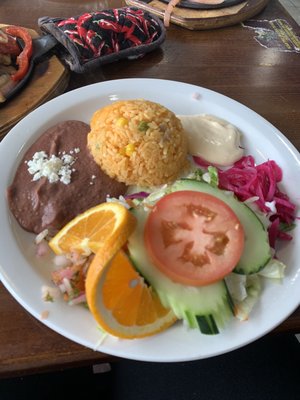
[42, 249]
[77, 300]
[273, 230]
[138, 195]
[62, 273]
[200, 161]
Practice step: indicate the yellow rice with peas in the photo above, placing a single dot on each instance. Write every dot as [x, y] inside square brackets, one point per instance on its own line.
[138, 142]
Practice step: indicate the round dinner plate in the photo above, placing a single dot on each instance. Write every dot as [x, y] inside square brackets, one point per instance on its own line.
[23, 274]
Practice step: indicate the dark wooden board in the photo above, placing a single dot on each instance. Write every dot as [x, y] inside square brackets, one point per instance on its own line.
[204, 19]
[49, 79]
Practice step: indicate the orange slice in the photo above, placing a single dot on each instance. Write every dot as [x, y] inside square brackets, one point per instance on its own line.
[88, 232]
[120, 301]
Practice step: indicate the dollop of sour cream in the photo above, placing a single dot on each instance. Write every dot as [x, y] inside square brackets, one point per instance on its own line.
[213, 139]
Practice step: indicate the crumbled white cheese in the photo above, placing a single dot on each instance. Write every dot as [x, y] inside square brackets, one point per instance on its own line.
[53, 168]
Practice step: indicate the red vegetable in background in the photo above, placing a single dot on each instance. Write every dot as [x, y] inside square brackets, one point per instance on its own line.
[24, 57]
[8, 45]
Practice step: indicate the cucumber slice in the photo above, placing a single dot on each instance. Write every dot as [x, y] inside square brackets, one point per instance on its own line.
[257, 251]
[207, 325]
[207, 308]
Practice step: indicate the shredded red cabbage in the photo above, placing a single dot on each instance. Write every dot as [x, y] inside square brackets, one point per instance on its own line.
[246, 180]
[139, 195]
[201, 162]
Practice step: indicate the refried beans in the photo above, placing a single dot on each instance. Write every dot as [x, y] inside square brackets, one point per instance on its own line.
[39, 204]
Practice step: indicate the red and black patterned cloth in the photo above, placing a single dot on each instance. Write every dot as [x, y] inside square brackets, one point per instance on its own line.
[96, 38]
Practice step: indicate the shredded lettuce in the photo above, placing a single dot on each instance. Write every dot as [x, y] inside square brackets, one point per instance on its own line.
[253, 289]
[211, 176]
[246, 289]
[157, 194]
[208, 175]
[196, 174]
[274, 269]
[236, 285]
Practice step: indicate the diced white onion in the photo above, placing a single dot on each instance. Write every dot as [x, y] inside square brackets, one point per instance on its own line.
[42, 235]
[61, 261]
[42, 249]
[68, 286]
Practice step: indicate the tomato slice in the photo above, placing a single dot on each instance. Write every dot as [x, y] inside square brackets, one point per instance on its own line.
[194, 238]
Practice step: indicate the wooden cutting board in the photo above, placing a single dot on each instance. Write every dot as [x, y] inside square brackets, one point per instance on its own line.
[200, 19]
[49, 79]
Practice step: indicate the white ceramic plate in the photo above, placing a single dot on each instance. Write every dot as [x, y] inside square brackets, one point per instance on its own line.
[23, 274]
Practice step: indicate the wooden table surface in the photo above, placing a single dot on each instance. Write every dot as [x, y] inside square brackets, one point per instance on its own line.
[228, 60]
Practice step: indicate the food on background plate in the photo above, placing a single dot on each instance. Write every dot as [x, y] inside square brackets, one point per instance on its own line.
[58, 179]
[14, 61]
[23, 58]
[138, 142]
[8, 48]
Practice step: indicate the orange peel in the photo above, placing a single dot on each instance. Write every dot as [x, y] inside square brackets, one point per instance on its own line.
[89, 231]
[120, 300]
